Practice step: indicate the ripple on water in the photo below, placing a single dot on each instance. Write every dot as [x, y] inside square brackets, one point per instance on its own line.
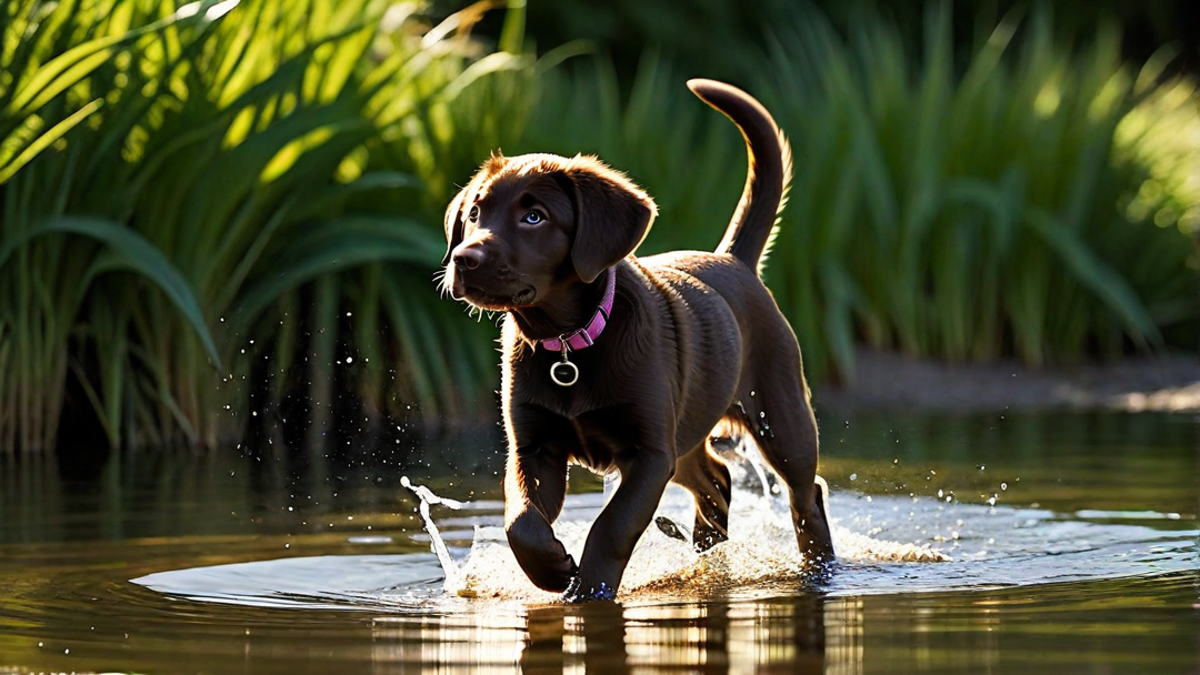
[886, 544]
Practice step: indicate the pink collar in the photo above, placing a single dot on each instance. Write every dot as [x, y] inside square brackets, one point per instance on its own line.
[584, 337]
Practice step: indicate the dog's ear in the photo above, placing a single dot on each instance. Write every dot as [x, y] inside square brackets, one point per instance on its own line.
[454, 223]
[612, 216]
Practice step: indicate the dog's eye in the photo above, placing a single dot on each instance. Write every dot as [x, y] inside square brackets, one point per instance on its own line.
[474, 214]
[533, 218]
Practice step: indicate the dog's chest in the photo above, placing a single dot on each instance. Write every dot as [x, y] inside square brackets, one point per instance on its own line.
[533, 384]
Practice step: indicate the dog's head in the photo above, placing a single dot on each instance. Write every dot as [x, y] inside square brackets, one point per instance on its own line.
[525, 226]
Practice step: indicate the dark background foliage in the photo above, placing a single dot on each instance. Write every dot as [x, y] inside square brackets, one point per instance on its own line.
[231, 216]
[717, 38]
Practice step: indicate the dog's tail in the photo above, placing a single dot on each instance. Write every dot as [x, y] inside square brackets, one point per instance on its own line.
[751, 231]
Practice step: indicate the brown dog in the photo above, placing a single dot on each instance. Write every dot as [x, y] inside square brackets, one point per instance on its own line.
[611, 361]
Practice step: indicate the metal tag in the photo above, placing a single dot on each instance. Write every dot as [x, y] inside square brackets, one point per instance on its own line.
[564, 373]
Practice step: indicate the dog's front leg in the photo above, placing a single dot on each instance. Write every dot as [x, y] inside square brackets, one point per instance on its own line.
[535, 484]
[620, 524]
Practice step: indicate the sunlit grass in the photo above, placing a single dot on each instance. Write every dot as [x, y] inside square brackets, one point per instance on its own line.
[233, 209]
[988, 193]
[190, 203]
[1027, 198]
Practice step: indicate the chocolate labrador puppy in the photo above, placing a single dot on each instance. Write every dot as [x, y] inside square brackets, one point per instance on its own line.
[618, 362]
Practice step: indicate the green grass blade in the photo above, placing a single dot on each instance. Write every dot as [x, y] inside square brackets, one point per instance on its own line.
[135, 253]
[47, 139]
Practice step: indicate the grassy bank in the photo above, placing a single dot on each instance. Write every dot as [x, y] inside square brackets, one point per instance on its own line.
[195, 200]
[233, 210]
[1028, 198]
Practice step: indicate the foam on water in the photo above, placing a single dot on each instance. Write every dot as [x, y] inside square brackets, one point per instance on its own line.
[761, 549]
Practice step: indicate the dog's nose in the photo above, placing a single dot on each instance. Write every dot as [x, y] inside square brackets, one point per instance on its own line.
[469, 257]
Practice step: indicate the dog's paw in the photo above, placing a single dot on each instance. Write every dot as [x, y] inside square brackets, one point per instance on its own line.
[542, 556]
[576, 592]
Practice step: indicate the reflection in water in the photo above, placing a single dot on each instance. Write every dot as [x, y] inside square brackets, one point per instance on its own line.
[1086, 564]
[266, 489]
[801, 634]
[456, 643]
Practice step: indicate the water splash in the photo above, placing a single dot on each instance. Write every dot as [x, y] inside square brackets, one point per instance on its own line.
[761, 548]
[762, 545]
[993, 547]
[427, 499]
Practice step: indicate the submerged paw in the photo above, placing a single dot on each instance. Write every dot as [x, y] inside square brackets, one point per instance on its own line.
[577, 592]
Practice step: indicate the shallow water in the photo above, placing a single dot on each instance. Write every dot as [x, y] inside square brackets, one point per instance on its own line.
[1073, 541]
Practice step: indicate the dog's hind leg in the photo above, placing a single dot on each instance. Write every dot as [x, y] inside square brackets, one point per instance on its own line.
[780, 419]
[707, 478]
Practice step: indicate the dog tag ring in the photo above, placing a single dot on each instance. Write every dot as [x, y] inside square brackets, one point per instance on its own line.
[564, 373]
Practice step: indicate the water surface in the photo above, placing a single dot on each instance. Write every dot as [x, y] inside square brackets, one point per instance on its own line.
[1072, 538]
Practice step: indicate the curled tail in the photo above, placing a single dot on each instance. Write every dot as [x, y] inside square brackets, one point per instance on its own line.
[751, 229]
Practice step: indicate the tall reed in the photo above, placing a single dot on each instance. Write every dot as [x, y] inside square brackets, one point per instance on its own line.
[213, 210]
[984, 195]
[1030, 198]
[197, 171]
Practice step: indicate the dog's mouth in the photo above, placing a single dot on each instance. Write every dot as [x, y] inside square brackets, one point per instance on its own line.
[486, 300]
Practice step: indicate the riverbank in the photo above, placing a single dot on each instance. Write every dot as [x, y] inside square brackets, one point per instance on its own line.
[884, 380]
